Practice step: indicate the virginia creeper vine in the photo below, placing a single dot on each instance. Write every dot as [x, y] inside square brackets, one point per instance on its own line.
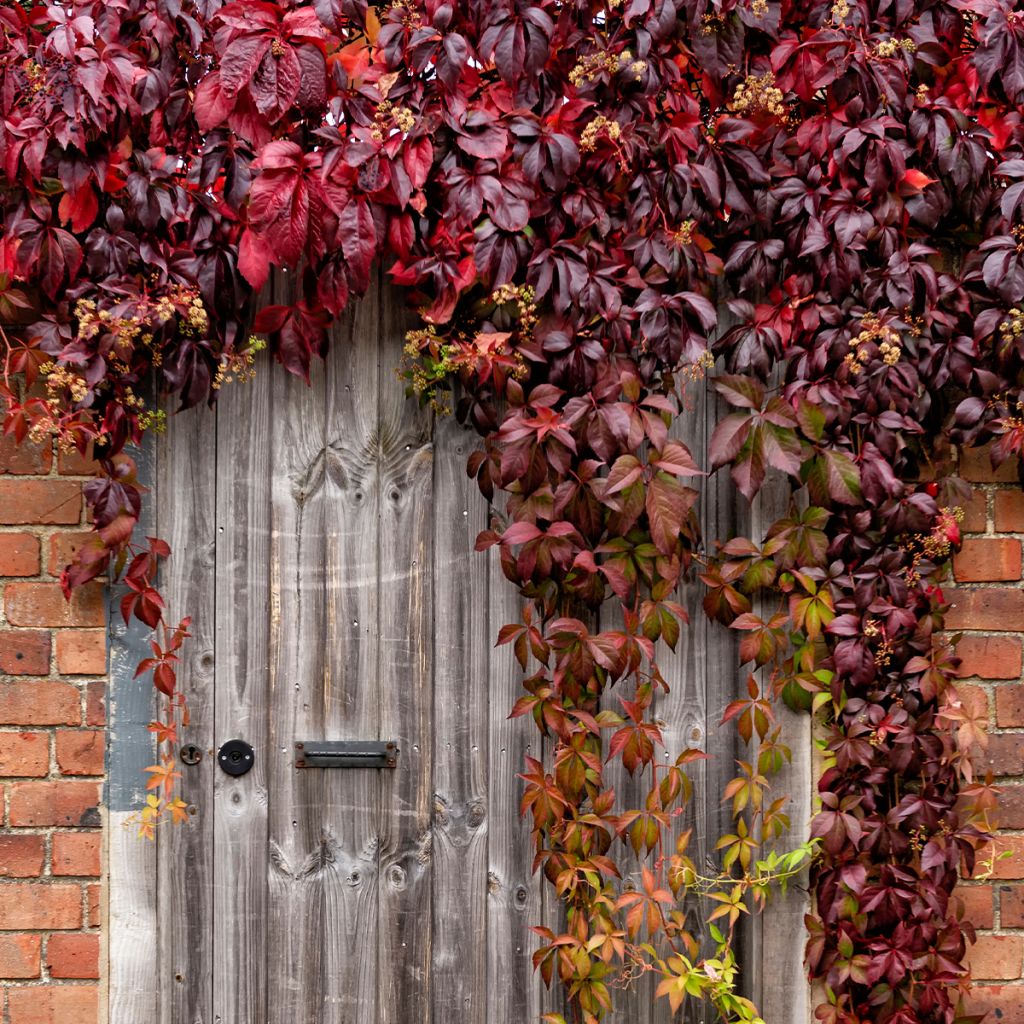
[575, 192]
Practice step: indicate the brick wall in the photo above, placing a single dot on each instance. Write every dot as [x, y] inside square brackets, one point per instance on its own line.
[989, 608]
[52, 686]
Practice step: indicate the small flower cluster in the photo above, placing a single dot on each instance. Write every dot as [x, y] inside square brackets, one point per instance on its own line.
[873, 334]
[601, 125]
[390, 116]
[592, 65]
[758, 93]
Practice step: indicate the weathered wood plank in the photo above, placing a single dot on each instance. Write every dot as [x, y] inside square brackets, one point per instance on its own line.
[515, 992]
[405, 678]
[682, 712]
[299, 842]
[461, 707]
[244, 427]
[774, 974]
[186, 472]
[352, 687]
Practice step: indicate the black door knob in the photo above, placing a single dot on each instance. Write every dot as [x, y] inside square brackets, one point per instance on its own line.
[235, 757]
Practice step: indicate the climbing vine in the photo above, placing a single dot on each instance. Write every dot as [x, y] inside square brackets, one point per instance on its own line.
[814, 208]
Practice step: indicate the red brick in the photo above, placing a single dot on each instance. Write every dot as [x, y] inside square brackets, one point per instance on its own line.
[1009, 706]
[63, 547]
[76, 853]
[1009, 511]
[976, 466]
[96, 703]
[92, 894]
[996, 957]
[1011, 906]
[82, 652]
[54, 1004]
[38, 905]
[24, 458]
[986, 608]
[1004, 1003]
[19, 554]
[990, 657]
[40, 501]
[978, 904]
[975, 513]
[1004, 756]
[1008, 862]
[24, 652]
[21, 856]
[73, 956]
[43, 604]
[36, 804]
[40, 703]
[1010, 812]
[24, 753]
[73, 464]
[80, 751]
[19, 956]
[987, 559]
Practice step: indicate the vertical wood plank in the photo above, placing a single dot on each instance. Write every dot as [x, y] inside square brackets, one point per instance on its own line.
[405, 669]
[774, 974]
[461, 707]
[682, 713]
[299, 843]
[244, 427]
[352, 688]
[186, 474]
[515, 992]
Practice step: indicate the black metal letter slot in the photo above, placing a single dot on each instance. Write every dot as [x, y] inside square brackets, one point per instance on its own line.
[346, 754]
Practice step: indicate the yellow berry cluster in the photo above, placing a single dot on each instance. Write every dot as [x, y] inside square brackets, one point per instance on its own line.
[601, 125]
[592, 65]
[411, 17]
[759, 8]
[758, 92]
[873, 333]
[238, 365]
[388, 116]
[892, 47]
[683, 235]
[35, 75]
[698, 370]
[60, 378]
[840, 12]
[524, 297]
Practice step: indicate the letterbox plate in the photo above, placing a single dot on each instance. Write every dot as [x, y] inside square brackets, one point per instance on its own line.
[346, 754]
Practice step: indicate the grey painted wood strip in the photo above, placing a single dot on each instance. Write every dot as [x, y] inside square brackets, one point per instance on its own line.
[131, 861]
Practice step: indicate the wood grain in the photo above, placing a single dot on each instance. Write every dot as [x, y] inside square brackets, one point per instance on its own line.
[352, 685]
[184, 955]
[405, 674]
[245, 422]
[461, 713]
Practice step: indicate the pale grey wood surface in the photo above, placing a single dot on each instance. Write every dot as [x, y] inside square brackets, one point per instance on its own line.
[245, 424]
[347, 603]
[185, 871]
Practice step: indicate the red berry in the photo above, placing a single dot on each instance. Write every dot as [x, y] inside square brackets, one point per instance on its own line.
[932, 488]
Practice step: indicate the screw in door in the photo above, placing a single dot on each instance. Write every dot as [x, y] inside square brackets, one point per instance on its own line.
[235, 757]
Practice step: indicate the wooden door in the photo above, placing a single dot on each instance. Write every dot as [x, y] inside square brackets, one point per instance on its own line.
[323, 542]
